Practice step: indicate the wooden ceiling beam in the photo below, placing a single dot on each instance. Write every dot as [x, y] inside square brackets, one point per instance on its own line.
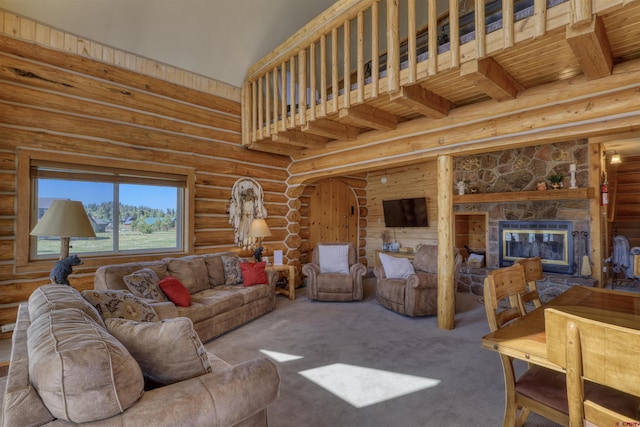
[368, 117]
[300, 139]
[268, 146]
[422, 101]
[491, 78]
[331, 129]
[591, 48]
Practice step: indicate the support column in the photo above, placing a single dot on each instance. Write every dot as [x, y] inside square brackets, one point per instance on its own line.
[446, 259]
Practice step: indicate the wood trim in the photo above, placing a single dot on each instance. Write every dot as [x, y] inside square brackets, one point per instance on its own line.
[520, 196]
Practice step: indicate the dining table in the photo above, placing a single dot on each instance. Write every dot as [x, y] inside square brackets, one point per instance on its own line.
[524, 338]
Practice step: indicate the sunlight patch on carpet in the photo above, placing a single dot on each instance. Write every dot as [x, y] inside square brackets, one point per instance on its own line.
[280, 357]
[365, 386]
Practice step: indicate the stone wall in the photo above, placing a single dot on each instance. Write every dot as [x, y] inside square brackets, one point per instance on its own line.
[521, 170]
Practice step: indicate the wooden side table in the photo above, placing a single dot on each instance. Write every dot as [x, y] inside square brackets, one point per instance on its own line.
[291, 292]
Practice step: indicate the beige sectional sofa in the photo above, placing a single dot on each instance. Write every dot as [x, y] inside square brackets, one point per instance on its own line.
[216, 307]
[70, 365]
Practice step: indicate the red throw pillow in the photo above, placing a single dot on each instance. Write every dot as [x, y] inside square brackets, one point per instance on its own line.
[253, 273]
[175, 291]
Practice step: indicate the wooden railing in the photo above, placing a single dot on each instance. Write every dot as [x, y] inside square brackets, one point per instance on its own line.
[332, 63]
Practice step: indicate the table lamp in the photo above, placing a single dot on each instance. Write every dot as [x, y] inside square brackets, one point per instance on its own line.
[259, 229]
[64, 219]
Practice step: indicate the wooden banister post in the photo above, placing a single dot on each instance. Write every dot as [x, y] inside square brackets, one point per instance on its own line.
[446, 259]
[393, 46]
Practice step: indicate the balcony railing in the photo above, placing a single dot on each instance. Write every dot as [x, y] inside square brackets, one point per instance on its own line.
[359, 53]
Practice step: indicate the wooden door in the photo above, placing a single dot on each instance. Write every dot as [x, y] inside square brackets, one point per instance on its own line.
[333, 213]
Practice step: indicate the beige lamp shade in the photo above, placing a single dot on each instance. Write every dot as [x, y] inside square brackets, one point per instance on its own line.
[259, 228]
[64, 219]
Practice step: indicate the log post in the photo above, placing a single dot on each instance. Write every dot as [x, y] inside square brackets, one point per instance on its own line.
[446, 282]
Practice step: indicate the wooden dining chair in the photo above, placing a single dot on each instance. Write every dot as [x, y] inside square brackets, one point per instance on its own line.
[532, 273]
[538, 389]
[603, 368]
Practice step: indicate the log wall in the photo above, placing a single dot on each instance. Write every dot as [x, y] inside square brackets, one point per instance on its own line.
[404, 182]
[62, 101]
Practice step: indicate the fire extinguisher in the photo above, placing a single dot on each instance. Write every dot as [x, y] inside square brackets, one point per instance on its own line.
[604, 190]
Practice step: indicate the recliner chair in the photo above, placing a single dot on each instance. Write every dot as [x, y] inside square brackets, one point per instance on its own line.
[417, 294]
[334, 273]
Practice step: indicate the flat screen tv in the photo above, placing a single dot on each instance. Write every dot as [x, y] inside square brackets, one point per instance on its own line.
[405, 212]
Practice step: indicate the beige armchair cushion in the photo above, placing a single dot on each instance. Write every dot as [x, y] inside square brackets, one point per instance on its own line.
[168, 351]
[66, 348]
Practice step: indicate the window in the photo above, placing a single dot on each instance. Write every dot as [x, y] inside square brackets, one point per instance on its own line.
[132, 210]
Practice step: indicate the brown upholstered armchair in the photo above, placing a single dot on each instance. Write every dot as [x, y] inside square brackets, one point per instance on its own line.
[417, 293]
[334, 273]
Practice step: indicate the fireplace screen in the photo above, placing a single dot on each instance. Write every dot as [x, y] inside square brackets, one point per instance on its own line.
[550, 240]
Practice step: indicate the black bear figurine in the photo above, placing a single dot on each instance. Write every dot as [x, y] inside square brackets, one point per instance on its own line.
[63, 268]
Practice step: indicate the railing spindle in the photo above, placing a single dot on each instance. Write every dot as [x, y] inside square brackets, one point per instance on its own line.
[411, 42]
[507, 22]
[292, 92]
[312, 81]
[375, 42]
[393, 46]
[302, 85]
[334, 70]
[480, 29]
[432, 26]
[360, 50]
[454, 32]
[275, 99]
[347, 64]
[323, 75]
[581, 12]
[254, 112]
[283, 96]
[260, 108]
[540, 17]
[267, 105]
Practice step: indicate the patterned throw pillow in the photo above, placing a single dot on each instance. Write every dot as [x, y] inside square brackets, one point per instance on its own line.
[334, 258]
[144, 283]
[120, 304]
[168, 351]
[232, 270]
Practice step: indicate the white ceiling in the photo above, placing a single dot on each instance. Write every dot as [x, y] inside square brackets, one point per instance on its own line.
[220, 39]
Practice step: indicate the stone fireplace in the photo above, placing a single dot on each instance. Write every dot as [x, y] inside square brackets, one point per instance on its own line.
[519, 170]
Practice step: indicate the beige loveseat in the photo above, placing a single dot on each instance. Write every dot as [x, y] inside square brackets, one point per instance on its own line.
[68, 368]
[215, 307]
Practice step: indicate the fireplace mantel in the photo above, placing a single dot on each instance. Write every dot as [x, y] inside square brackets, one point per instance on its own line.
[518, 196]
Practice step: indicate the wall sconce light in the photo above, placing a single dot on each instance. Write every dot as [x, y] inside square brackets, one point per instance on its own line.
[615, 158]
[383, 180]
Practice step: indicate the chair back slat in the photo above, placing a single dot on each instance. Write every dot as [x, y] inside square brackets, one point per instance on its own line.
[504, 283]
[532, 272]
[599, 352]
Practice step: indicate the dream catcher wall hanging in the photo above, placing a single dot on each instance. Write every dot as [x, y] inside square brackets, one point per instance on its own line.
[246, 204]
